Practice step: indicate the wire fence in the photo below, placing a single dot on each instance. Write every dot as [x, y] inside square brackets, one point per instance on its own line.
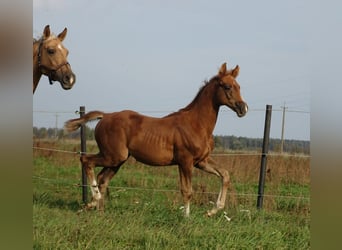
[78, 185]
[214, 154]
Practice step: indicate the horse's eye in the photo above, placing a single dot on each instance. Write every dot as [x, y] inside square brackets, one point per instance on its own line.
[227, 87]
[51, 51]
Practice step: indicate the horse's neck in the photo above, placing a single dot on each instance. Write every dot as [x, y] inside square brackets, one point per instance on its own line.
[204, 110]
[36, 71]
[36, 77]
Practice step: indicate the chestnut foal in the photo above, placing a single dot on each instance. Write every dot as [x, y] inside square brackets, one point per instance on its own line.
[182, 138]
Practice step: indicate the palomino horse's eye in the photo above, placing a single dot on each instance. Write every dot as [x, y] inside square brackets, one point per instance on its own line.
[51, 51]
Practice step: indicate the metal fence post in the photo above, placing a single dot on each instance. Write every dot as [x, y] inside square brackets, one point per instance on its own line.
[83, 151]
[264, 156]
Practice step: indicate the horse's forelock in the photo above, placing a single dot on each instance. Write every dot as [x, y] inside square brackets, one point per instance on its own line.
[39, 39]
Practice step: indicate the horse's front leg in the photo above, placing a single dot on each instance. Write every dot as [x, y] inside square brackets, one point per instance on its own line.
[210, 166]
[185, 173]
[221, 199]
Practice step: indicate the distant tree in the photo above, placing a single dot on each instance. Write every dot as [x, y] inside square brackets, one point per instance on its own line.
[60, 133]
[230, 142]
[51, 133]
[42, 133]
[218, 141]
[236, 144]
[35, 131]
[244, 143]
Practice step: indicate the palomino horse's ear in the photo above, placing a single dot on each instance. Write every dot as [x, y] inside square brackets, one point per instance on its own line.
[62, 35]
[46, 31]
[223, 70]
[235, 72]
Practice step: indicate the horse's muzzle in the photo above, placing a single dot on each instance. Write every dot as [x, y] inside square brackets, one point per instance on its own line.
[241, 108]
[68, 81]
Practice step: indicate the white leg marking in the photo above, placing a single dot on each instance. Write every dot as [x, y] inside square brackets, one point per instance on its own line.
[187, 209]
[219, 203]
[95, 190]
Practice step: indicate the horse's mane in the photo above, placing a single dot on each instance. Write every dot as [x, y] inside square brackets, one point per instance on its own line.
[191, 104]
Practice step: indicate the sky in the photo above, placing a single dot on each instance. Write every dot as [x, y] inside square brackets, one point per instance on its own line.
[152, 56]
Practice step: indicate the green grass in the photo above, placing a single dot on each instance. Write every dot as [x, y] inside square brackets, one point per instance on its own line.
[141, 214]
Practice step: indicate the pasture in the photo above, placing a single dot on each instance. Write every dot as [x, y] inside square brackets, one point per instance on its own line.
[144, 206]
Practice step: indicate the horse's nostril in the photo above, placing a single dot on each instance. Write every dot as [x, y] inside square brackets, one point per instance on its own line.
[242, 108]
[246, 107]
[68, 79]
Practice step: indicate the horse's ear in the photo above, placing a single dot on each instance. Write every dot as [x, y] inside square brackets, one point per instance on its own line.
[235, 72]
[62, 35]
[223, 70]
[46, 31]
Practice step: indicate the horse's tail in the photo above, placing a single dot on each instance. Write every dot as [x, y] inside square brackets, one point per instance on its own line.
[73, 124]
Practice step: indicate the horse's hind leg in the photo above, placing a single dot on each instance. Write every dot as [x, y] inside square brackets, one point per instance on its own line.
[103, 179]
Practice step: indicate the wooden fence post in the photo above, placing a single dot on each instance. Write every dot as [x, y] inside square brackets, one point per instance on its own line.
[83, 151]
[264, 156]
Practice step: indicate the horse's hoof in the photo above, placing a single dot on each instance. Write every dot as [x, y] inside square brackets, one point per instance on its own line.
[80, 211]
[211, 212]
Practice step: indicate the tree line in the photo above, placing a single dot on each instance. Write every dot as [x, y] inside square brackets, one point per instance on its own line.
[222, 142]
[232, 142]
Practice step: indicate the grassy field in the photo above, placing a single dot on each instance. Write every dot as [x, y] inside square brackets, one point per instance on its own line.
[144, 207]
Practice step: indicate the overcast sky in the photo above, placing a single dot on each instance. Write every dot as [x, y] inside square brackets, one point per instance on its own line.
[152, 56]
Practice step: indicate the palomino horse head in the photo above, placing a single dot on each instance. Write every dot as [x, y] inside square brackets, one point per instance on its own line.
[52, 59]
[229, 90]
